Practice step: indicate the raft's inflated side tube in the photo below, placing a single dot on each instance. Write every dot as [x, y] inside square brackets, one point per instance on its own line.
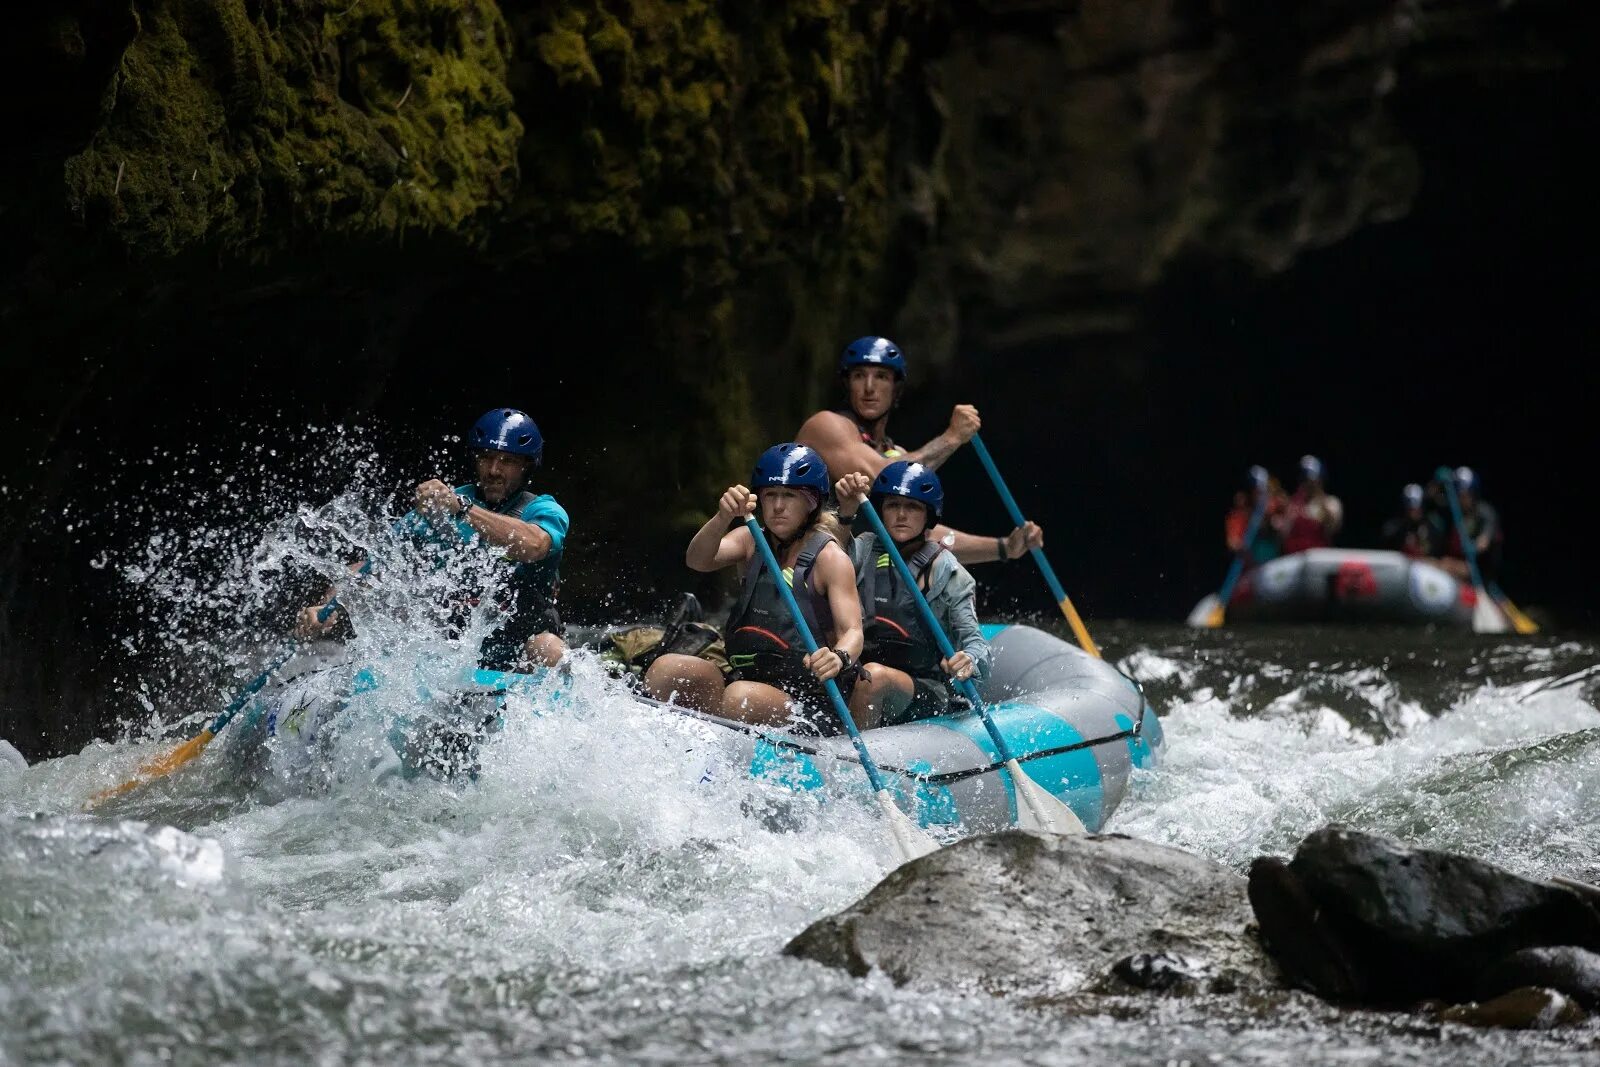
[1351, 585]
[1075, 724]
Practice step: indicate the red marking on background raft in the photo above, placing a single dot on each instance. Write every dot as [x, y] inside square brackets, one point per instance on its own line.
[1355, 581]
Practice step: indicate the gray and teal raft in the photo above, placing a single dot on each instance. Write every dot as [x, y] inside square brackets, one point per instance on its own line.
[1076, 725]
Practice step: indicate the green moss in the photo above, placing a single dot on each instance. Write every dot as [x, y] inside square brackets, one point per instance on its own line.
[250, 127]
[736, 153]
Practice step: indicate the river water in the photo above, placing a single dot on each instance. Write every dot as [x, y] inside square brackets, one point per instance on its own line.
[591, 897]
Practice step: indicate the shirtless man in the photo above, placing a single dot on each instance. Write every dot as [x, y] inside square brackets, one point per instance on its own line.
[856, 438]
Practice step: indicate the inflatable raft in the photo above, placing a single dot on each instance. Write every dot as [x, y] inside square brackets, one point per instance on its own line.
[1352, 585]
[1075, 723]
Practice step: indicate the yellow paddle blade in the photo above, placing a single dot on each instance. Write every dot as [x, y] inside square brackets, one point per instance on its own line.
[1519, 622]
[159, 767]
[1079, 630]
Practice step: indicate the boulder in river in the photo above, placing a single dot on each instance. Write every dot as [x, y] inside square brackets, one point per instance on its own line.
[1572, 971]
[1527, 1008]
[1360, 918]
[1045, 915]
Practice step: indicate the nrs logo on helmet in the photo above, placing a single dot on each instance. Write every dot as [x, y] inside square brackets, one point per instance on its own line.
[873, 352]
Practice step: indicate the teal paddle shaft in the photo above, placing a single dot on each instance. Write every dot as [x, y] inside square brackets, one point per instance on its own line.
[946, 649]
[1016, 515]
[841, 709]
[1468, 549]
[1236, 568]
[1079, 630]
[243, 696]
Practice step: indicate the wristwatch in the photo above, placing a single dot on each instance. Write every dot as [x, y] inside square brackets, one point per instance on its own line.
[844, 659]
[467, 504]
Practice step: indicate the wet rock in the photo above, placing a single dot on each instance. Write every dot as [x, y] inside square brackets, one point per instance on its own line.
[1360, 917]
[1309, 952]
[1043, 915]
[1162, 972]
[1528, 1008]
[1574, 972]
[11, 759]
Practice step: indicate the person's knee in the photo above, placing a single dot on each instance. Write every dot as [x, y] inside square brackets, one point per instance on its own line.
[883, 683]
[754, 702]
[545, 650]
[673, 676]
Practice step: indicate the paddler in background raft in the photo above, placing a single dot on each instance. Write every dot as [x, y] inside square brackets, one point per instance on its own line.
[1411, 532]
[905, 676]
[771, 680]
[1482, 523]
[856, 439]
[494, 513]
[1266, 546]
[1314, 515]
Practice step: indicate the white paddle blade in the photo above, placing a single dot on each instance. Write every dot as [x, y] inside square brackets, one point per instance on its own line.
[1487, 618]
[911, 840]
[1038, 809]
[1202, 614]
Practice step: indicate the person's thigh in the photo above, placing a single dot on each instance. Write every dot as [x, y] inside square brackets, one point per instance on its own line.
[756, 702]
[686, 680]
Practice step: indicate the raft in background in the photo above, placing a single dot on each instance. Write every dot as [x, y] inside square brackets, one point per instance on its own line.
[1074, 722]
[1351, 585]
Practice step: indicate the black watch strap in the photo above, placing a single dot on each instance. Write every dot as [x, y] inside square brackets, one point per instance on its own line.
[844, 658]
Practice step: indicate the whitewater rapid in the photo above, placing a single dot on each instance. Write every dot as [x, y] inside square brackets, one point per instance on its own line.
[606, 889]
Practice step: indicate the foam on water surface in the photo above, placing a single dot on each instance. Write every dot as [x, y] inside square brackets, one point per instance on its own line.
[609, 885]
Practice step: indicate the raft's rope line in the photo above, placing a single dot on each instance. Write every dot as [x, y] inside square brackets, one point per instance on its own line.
[946, 777]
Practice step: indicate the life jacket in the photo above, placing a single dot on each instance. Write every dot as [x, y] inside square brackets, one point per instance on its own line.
[760, 624]
[885, 447]
[895, 634]
[1418, 537]
[1474, 522]
[525, 594]
[1305, 530]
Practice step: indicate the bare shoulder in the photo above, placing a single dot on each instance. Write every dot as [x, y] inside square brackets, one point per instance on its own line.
[834, 562]
[826, 428]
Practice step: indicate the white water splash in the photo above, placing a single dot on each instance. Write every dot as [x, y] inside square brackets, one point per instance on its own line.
[1510, 781]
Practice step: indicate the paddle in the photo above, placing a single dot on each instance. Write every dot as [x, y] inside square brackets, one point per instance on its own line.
[1519, 622]
[1037, 809]
[170, 761]
[1487, 618]
[910, 840]
[1078, 628]
[1212, 611]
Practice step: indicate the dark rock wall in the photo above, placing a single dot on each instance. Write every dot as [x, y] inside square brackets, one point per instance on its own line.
[651, 223]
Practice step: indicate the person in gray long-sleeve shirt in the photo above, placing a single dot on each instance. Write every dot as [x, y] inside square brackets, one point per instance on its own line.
[904, 676]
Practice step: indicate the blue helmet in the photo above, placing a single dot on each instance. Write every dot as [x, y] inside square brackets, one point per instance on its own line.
[1466, 480]
[1412, 495]
[795, 466]
[914, 481]
[507, 430]
[1311, 468]
[873, 352]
